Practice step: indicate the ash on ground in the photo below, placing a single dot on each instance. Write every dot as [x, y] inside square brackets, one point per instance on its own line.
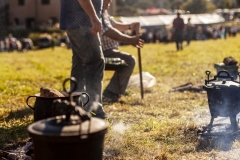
[22, 153]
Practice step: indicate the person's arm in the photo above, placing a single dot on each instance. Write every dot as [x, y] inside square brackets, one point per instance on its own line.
[119, 36]
[135, 26]
[89, 9]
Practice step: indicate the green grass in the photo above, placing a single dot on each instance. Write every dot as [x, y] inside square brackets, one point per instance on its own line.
[163, 125]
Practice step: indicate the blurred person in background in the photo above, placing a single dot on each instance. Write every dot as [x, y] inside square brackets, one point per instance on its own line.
[189, 31]
[11, 43]
[2, 46]
[178, 30]
[111, 35]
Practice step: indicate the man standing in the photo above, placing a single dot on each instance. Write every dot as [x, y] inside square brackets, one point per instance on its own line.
[178, 29]
[111, 36]
[189, 31]
[81, 20]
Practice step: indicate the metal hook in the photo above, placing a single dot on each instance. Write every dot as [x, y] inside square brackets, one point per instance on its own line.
[208, 75]
[73, 81]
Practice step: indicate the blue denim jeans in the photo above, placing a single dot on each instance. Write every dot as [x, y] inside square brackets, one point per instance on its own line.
[88, 65]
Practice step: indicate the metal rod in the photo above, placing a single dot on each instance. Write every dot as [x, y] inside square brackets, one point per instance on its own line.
[140, 72]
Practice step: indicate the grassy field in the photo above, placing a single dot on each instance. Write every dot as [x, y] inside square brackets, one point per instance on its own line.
[161, 126]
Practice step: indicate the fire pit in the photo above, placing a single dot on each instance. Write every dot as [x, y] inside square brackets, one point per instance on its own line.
[223, 98]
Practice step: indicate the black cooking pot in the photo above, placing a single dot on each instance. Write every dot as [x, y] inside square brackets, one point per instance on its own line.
[74, 139]
[223, 96]
[73, 136]
[43, 105]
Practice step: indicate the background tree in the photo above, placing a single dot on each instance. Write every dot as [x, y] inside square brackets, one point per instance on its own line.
[131, 7]
[176, 4]
[238, 3]
[143, 4]
[199, 6]
[126, 11]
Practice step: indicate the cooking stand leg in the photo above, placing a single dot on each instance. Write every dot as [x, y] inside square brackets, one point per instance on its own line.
[234, 123]
[209, 127]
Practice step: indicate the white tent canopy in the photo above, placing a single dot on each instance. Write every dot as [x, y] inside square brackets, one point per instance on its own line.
[163, 20]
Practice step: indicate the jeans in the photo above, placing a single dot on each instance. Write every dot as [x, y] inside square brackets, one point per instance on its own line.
[119, 81]
[87, 65]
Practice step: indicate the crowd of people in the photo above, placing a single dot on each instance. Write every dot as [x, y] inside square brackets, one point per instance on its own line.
[10, 44]
[190, 32]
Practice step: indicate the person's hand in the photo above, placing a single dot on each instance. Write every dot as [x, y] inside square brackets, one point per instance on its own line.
[135, 27]
[136, 41]
[96, 25]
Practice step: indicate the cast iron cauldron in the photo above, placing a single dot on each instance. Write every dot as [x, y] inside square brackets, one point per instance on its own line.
[223, 97]
[74, 139]
[73, 136]
[43, 105]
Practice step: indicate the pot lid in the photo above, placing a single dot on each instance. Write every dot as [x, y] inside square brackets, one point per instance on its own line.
[58, 126]
[223, 66]
[223, 84]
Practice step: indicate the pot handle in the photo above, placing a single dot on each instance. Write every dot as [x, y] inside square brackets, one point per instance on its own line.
[223, 76]
[75, 86]
[80, 100]
[27, 102]
[74, 83]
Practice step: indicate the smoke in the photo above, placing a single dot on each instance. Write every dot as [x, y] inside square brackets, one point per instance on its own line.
[201, 115]
[224, 143]
[95, 105]
[120, 128]
[92, 105]
[114, 145]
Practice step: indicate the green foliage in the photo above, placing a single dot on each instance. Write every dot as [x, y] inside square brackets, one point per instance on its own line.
[194, 6]
[198, 6]
[126, 11]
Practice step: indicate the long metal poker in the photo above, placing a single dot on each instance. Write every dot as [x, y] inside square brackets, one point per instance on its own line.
[140, 72]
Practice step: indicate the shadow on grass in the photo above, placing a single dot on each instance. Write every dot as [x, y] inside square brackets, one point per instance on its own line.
[13, 131]
[13, 137]
[19, 114]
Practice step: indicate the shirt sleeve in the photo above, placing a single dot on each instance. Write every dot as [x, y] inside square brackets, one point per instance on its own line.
[112, 21]
[107, 23]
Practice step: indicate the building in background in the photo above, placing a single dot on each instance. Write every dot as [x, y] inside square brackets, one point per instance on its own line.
[36, 13]
[33, 13]
[3, 13]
